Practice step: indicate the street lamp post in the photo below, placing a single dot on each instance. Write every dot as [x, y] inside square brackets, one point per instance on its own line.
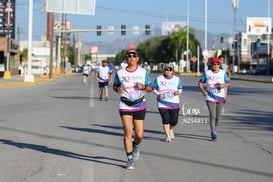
[268, 35]
[206, 33]
[235, 5]
[7, 72]
[29, 77]
[188, 27]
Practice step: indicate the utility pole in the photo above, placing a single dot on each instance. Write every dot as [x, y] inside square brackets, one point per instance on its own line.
[206, 34]
[59, 57]
[268, 37]
[188, 29]
[52, 19]
[65, 46]
[75, 51]
[235, 5]
[7, 72]
[29, 77]
[64, 60]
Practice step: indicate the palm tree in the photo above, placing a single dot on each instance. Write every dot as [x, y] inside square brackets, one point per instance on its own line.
[179, 40]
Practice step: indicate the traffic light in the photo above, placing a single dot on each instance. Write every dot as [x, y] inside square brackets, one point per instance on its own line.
[147, 29]
[123, 29]
[44, 7]
[98, 30]
[222, 40]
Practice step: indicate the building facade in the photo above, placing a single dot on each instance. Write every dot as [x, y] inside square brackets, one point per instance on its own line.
[9, 55]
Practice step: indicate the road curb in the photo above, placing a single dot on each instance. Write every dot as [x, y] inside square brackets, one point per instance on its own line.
[38, 81]
[252, 80]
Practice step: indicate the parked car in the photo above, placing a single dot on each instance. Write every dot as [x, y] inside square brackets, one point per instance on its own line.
[243, 71]
[258, 71]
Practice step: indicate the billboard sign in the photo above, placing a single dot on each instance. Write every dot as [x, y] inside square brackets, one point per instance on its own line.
[7, 18]
[169, 27]
[258, 25]
[83, 7]
[94, 50]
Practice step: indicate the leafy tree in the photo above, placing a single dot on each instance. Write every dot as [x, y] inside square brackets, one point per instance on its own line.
[149, 49]
[164, 49]
[119, 57]
[23, 55]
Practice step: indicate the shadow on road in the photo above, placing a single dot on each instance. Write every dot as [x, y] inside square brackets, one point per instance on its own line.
[262, 120]
[100, 159]
[41, 148]
[161, 133]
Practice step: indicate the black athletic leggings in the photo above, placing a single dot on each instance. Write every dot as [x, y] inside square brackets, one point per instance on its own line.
[169, 116]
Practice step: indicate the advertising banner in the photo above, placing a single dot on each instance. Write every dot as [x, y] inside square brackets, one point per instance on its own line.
[169, 27]
[258, 25]
[7, 18]
[84, 7]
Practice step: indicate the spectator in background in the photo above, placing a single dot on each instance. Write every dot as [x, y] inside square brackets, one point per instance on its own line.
[112, 69]
[224, 67]
[124, 64]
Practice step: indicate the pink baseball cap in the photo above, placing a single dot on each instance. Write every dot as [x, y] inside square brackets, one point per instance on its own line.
[131, 51]
[215, 60]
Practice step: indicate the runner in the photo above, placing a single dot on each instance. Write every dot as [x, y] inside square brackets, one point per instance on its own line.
[167, 88]
[103, 77]
[215, 80]
[85, 73]
[131, 83]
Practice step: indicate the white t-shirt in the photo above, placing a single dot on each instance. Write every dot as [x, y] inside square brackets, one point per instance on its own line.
[127, 81]
[211, 80]
[167, 87]
[85, 70]
[103, 74]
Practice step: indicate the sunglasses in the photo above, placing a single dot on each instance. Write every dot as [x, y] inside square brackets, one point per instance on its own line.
[216, 64]
[131, 56]
[168, 70]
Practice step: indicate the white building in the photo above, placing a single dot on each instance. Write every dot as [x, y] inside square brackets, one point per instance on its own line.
[40, 55]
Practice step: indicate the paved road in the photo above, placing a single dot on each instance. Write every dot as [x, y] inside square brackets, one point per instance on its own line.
[60, 131]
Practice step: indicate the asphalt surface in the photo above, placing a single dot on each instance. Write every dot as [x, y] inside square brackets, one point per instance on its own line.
[60, 131]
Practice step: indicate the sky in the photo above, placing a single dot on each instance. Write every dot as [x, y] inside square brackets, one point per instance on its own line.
[220, 16]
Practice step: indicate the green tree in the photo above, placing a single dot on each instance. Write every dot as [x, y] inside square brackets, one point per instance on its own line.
[164, 49]
[149, 49]
[23, 55]
[119, 57]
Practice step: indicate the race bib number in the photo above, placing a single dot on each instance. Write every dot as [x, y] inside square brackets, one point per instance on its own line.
[167, 95]
[136, 94]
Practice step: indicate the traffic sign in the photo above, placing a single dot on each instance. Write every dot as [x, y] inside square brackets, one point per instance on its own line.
[205, 52]
[194, 59]
[205, 61]
[84, 7]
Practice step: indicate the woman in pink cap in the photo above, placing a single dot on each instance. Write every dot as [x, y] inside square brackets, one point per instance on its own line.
[215, 80]
[131, 83]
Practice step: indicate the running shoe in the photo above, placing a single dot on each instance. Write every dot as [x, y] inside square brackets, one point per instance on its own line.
[172, 134]
[106, 98]
[168, 139]
[130, 164]
[100, 98]
[213, 137]
[135, 152]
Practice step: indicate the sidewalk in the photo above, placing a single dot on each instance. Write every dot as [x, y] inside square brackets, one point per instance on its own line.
[17, 80]
[254, 78]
